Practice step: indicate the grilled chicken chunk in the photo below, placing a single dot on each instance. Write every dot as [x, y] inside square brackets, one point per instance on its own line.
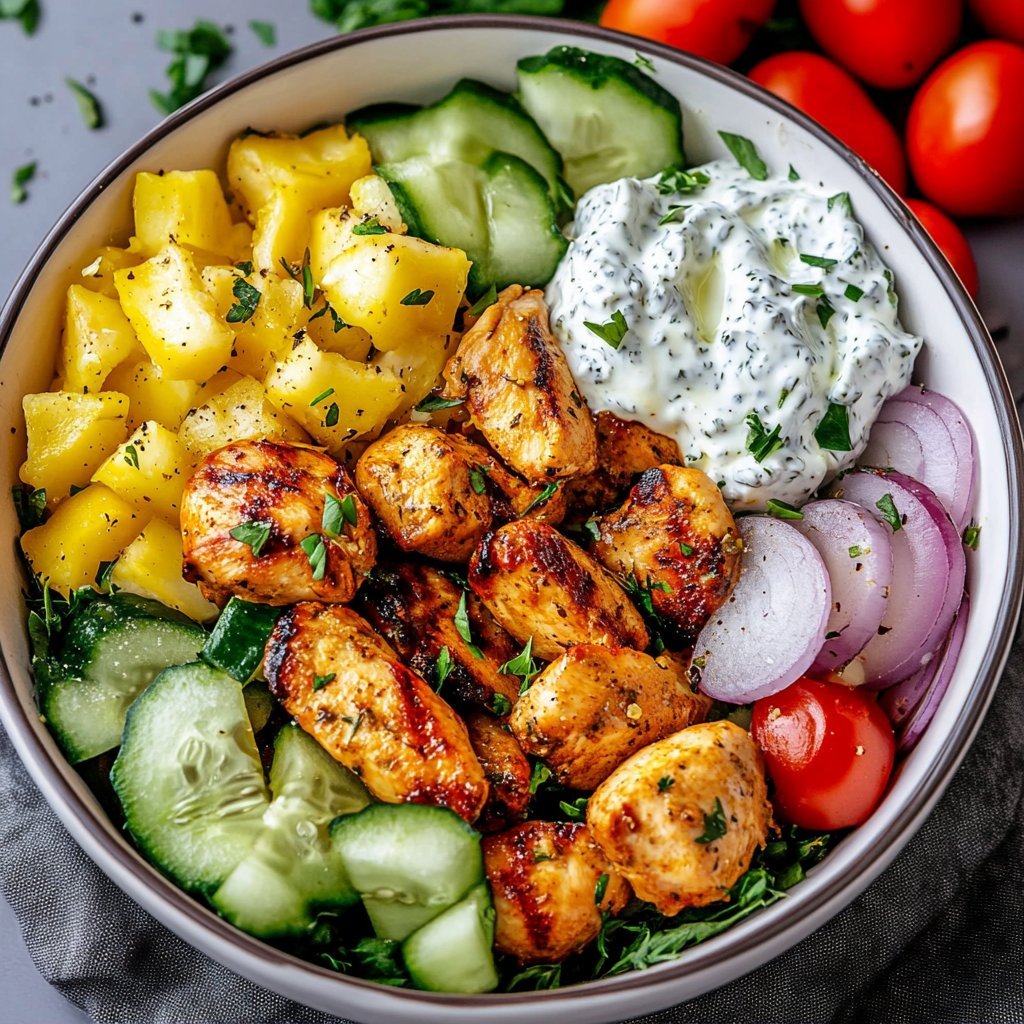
[519, 391]
[544, 877]
[675, 536]
[590, 709]
[249, 508]
[414, 607]
[625, 449]
[346, 687]
[538, 584]
[682, 817]
[506, 769]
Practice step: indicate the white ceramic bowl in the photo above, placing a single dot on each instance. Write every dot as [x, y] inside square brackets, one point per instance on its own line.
[418, 61]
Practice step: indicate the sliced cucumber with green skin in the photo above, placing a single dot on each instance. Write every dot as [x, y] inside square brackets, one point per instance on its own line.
[189, 777]
[467, 125]
[454, 952]
[240, 637]
[259, 703]
[605, 117]
[498, 213]
[110, 653]
[293, 869]
[409, 863]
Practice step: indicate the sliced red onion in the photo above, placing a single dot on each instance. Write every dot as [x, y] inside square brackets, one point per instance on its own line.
[896, 445]
[922, 712]
[768, 632]
[928, 563]
[961, 503]
[857, 553]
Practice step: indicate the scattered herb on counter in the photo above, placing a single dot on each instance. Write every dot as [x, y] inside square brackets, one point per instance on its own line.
[254, 533]
[612, 332]
[19, 179]
[88, 105]
[264, 31]
[348, 15]
[746, 155]
[25, 11]
[198, 51]
[247, 298]
[833, 432]
[890, 513]
[714, 824]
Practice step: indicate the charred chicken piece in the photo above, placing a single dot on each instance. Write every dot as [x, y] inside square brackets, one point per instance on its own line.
[506, 768]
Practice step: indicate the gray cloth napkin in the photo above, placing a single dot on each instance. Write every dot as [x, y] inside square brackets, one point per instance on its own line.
[938, 938]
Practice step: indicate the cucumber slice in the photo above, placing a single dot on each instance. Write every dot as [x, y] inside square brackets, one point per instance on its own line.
[409, 863]
[498, 213]
[258, 703]
[111, 652]
[453, 953]
[189, 777]
[293, 869]
[467, 125]
[239, 638]
[607, 119]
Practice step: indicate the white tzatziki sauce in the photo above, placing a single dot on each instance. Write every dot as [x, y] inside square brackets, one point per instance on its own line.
[759, 297]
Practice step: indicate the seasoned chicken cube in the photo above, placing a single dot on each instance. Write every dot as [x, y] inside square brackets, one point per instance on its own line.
[550, 884]
[675, 537]
[506, 769]
[346, 687]
[625, 449]
[415, 606]
[682, 817]
[538, 584]
[519, 391]
[590, 709]
[275, 523]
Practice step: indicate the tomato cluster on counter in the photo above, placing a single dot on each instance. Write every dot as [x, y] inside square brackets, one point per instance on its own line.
[919, 88]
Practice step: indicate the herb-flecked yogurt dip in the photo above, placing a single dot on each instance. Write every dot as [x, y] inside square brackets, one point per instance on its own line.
[750, 320]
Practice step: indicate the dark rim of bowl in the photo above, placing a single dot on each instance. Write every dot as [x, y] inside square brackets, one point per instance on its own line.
[939, 774]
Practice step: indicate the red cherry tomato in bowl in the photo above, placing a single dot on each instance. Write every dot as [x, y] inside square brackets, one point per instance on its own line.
[829, 751]
[719, 30]
[887, 43]
[1002, 18]
[824, 91]
[965, 132]
[950, 239]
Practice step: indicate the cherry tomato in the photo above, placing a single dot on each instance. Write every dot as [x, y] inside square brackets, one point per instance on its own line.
[829, 751]
[1003, 18]
[717, 29]
[888, 43]
[824, 91]
[965, 133]
[950, 239]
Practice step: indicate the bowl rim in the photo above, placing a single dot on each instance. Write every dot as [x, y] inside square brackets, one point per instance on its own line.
[128, 869]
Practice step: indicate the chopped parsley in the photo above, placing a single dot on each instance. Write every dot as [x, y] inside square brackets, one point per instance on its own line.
[890, 513]
[264, 31]
[462, 627]
[972, 534]
[486, 300]
[540, 774]
[332, 416]
[746, 155]
[675, 179]
[434, 403]
[19, 179]
[417, 298]
[674, 213]
[793, 173]
[323, 395]
[245, 266]
[890, 289]
[856, 551]
[522, 665]
[833, 432]
[686, 550]
[544, 496]
[131, 456]
[665, 783]
[254, 533]
[782, 509]
[316, 552]
[104, 576]
[612, 332]
[478, 479]
[442, 668]
[817, 261]
[247, 298]
[88, 105]
[853, 293]
[842, 200]
[197, 52]
[761, 443]
[326, 308]
[319, 682]
[370, 226]
[501, 706]
[714, 824]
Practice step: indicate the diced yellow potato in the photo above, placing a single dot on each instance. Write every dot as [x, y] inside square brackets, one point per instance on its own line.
[330, 234]
[217, 384]
[69, 435]
[150, 397]
[98, 268]
[334, 398]
[175, 316]
[419, 366]
[240, 412]
[397, 287]
[372, 197]
[90, 527]
[151, 567]
[97, 338]
[351, 342]
[149, 470]
[185, 207]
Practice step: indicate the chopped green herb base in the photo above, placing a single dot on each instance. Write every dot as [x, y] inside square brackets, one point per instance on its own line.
[247, 298]
[890, 513]
[264, 31]
[319, 682]
[316, 552]
[88, 105]
[485, 301]
[253, 533]
[370, 226]
[541, 498]
[746, 155]
[19, 179]
[675, 179]
[417, 298]
[612, 332]
[782, 509]
[197, 51]
[442, 668]
[714, 824]
[833, 432]
[761, 443]
[462, 627]
[434, 403]
[972, 534]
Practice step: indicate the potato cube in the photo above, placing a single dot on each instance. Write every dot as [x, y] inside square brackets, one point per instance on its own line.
[151, 567]
[150, 397]
[91, 527]
[97, 338]
[186, 207]
[334, 398]
[69, 435]
[322, 328]
[372, 197]
[175, 316]
[98, 268]
[397, 287]
[330, 234]
[419, 366]
[149, 470]
[239, 413]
